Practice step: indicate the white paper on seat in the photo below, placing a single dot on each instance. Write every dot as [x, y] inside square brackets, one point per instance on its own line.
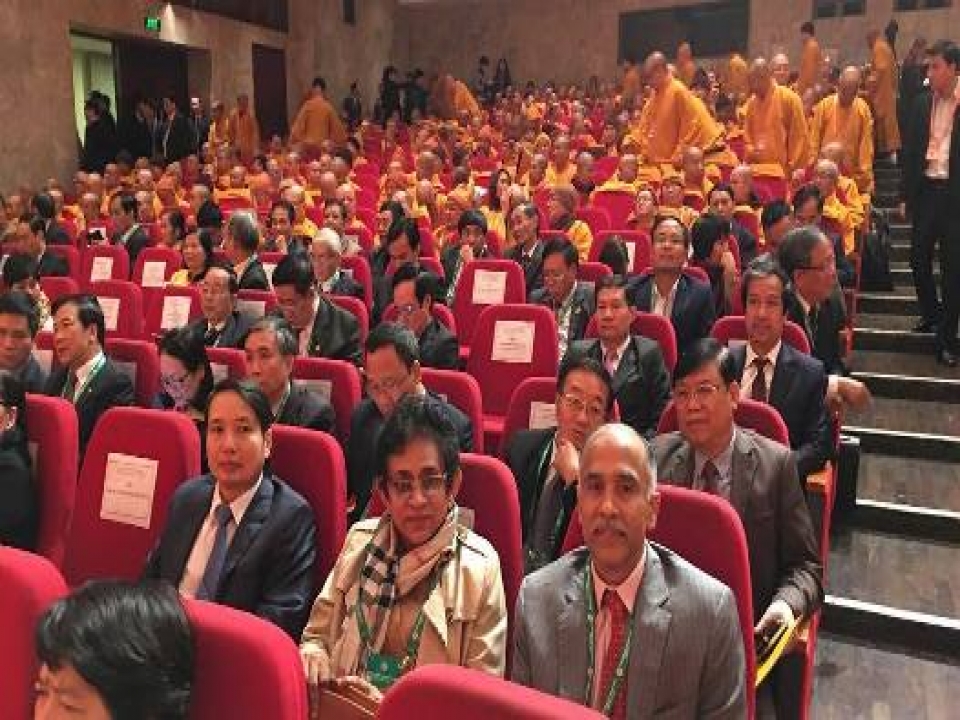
[127, 368]
[253, 308]
[128, 486]
[323, 388]
[631, 254]
[176, 312]
[44, 358]
[348, 272]
[734, 343]
[102, 268]
[268, 269]
[489, 287]
[513, 341]
[111, 311]
[220, 372]
[153, 274]
[542, 415]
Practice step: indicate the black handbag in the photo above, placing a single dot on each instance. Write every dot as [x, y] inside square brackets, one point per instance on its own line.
[875, 268]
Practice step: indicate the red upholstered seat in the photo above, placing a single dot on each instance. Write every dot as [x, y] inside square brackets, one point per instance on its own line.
[359, 310]
[596, 218]
[649, 325]
[122, 304]
[227, 362]
[74, 260]
[733, 328]
[463, 392]
[522, 411]
[52, 428]
[246, 668]
[104, 262]
[466, 310]
[256, 303]
[57, 287]
[173, 307]
[358, 268]
[337, 380]
[30, 585]
[117, 548]
[591, 272]
[618, 204]
[142, 360]
[156, 265]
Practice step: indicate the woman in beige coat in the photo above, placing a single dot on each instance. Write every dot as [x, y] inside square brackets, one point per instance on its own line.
[416, 586]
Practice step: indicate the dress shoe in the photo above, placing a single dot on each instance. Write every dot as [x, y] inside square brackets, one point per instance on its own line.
[925, 326]
[945, 357]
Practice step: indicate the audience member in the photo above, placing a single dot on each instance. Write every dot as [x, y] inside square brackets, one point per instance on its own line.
[572, 302]
[197, 253]
[414, 294]
[19, 324]
[222, 324]
[326, 254]
[126, 229]
[20, 507]
[240, 244]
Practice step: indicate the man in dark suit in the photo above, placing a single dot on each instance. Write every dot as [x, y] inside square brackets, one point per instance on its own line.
[815, 304]
[720, 199]
[641, 383]
[44, 206]
[199, 123]
[126, 229]
[31, 239]
[759, 478]
[528, 251]
[414, 293]
[85, 377]
[546, 462]
[176, 138]
[667, 291]
[401, 247]
[326, 254]
[271, 347]
[18, 330]
[391, 371]
[771, 371]
[222, 324]
[930, 191]
[323, 329]
[571, 302]
[472, 245]
[241, 241]
[240, 536]
[685, 654]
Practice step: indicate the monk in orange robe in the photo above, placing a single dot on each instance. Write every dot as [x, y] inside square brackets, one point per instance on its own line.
[775, 131]
[883, 95]
[811, 60]
[244, 130]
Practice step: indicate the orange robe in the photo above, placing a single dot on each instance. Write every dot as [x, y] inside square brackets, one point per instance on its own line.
[884, 97]
[316, 123]
[668, 123]
[776, 131]
[811, 61]
[244, 133]
[852, 127]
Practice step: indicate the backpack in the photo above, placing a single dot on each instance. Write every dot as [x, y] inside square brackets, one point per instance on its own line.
[875, 268]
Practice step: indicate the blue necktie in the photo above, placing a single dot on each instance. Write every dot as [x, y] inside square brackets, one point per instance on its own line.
[211, 575]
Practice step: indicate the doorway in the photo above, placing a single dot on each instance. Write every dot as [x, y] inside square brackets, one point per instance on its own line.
[270, 90]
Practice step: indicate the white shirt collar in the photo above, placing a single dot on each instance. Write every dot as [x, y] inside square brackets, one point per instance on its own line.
[83, 372]
[771, 356]
[621, 351]
[327, 285]
[239, 506]
[627, 590]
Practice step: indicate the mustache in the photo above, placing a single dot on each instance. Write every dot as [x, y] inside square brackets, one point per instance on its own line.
[607, 526]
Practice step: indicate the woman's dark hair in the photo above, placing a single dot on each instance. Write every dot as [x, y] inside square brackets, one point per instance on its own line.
[178, 222]
[707, 231]
[404, 226]
[395, 335]
[187, 345]
[614, 255]
[492, 197]
[131, 642]
[251, 395]
[415, 418]
[205, 238]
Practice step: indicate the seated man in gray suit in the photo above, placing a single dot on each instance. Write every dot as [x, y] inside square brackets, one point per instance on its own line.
[271, 348]
[624, 625]
[759, 478]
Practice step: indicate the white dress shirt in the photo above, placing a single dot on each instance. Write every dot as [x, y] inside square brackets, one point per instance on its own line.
[663, 305]
[203, 544]
[84, 372]
[941, 128]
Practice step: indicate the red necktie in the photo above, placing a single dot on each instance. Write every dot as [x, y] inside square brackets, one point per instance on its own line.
[758, 391]
[618, 636]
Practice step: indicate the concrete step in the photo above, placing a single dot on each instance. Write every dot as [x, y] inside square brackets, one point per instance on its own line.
[885, 321]
[886, 199]
[900, 251]
[913, 482]
[898, 341]
[942, 448]
[909, 416]
[911, 387]
[884, 303]
[895, 363]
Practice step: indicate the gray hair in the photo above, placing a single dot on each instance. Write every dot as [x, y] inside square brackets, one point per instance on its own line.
[242, 227]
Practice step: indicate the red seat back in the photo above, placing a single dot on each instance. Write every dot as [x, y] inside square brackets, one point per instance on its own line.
[359, 310]
[604, 168]
[104, 262]
[597, 218]
[30, 585]
[111, 535]
[638, 248]
[57, 287]
[531, 407]
[462, 391]
[245, 667]
[74, 260]
[174, 307]
[757, 416]
[733, 328]
[122, 304]
[591, 272]
[469, 302]
[368, 217]
[337, 380]
[141, 360]
[618, 204]
[156, 265]
[311, 462]
[652, 326]
[256, 303]
[359, 269]
[362, 235]
[227, 362]
[52, 429]
[499, 376]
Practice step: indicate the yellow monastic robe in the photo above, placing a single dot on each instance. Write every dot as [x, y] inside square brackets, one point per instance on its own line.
[244, 133]
[836, 211]
[581, 237]
[668, 123]
[316, 123]
[811, 60]
[557, 177]
[737, 72]
[776, 130]
[852, 127]
[711, 138]
[307, 228]
[219, 133]
[463, 100]
[884, 96]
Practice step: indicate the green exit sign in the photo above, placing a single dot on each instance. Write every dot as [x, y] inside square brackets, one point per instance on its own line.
[151, 23]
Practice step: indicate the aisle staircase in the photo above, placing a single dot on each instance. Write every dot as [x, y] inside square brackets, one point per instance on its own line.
[891, 625]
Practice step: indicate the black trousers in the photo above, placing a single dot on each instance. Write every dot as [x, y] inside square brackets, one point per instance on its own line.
[935, 221]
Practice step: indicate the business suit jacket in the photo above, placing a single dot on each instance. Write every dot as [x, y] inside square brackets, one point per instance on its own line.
[305, 408]
[439, 347]
[914, 154]
[232, 334]
[686, 658]
[450, 258]
[335, 334]
[137, 241]
[824, 334]
[50, 265]
[765, 492]
[580, 313]
[693, 312]
[532, 267]
[346, 285]
[269, 568]
[797, 391]
[641, 384]
[56, 234]
[108, 388]
[19, 506]
[254, 276]
[179, 140]
[33, 377]
[365, 426]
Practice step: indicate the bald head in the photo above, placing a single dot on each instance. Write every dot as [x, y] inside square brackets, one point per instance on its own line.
[656, 70]
[760, 77]
[848, 85]
[780, 67]
[836, 152]
[624, 442]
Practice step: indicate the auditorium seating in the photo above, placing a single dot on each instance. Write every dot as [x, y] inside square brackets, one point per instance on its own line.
[122, 305]
[125, 486]
[30, 584]
[256, 303]
[596, 218]
[483, 283]
[104, 262]
[440, 312]
[359, 269]
[732, 329]
[174, 307]
[592, 272]
[358, 309]
[227, 362]
[74, 260]
[619, 205]
[336, 380]
[155, 266]
[638, 247]
[532, 406]
[652, 326]
[56, 287]
[463, 392]
[141, 361]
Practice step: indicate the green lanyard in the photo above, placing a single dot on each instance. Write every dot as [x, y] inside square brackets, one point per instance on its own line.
[78, 391]
[622, 664]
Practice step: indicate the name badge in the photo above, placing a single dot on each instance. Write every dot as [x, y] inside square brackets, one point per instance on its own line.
[383, 671]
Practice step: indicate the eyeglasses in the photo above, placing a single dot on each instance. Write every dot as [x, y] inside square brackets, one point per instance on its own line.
[594, 410]
[701, 393]
[431, 486]
[387, 385]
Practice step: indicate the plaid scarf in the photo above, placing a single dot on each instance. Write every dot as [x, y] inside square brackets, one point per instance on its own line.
[386, 575]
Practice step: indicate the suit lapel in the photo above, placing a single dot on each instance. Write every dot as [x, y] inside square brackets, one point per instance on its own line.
[194, 515]
[253, 520]
[743, 468]
[783, 376]
[680, 471]
[572, 636]
[652, 618]
[679, 302]
[628, 366]
[94, 385]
